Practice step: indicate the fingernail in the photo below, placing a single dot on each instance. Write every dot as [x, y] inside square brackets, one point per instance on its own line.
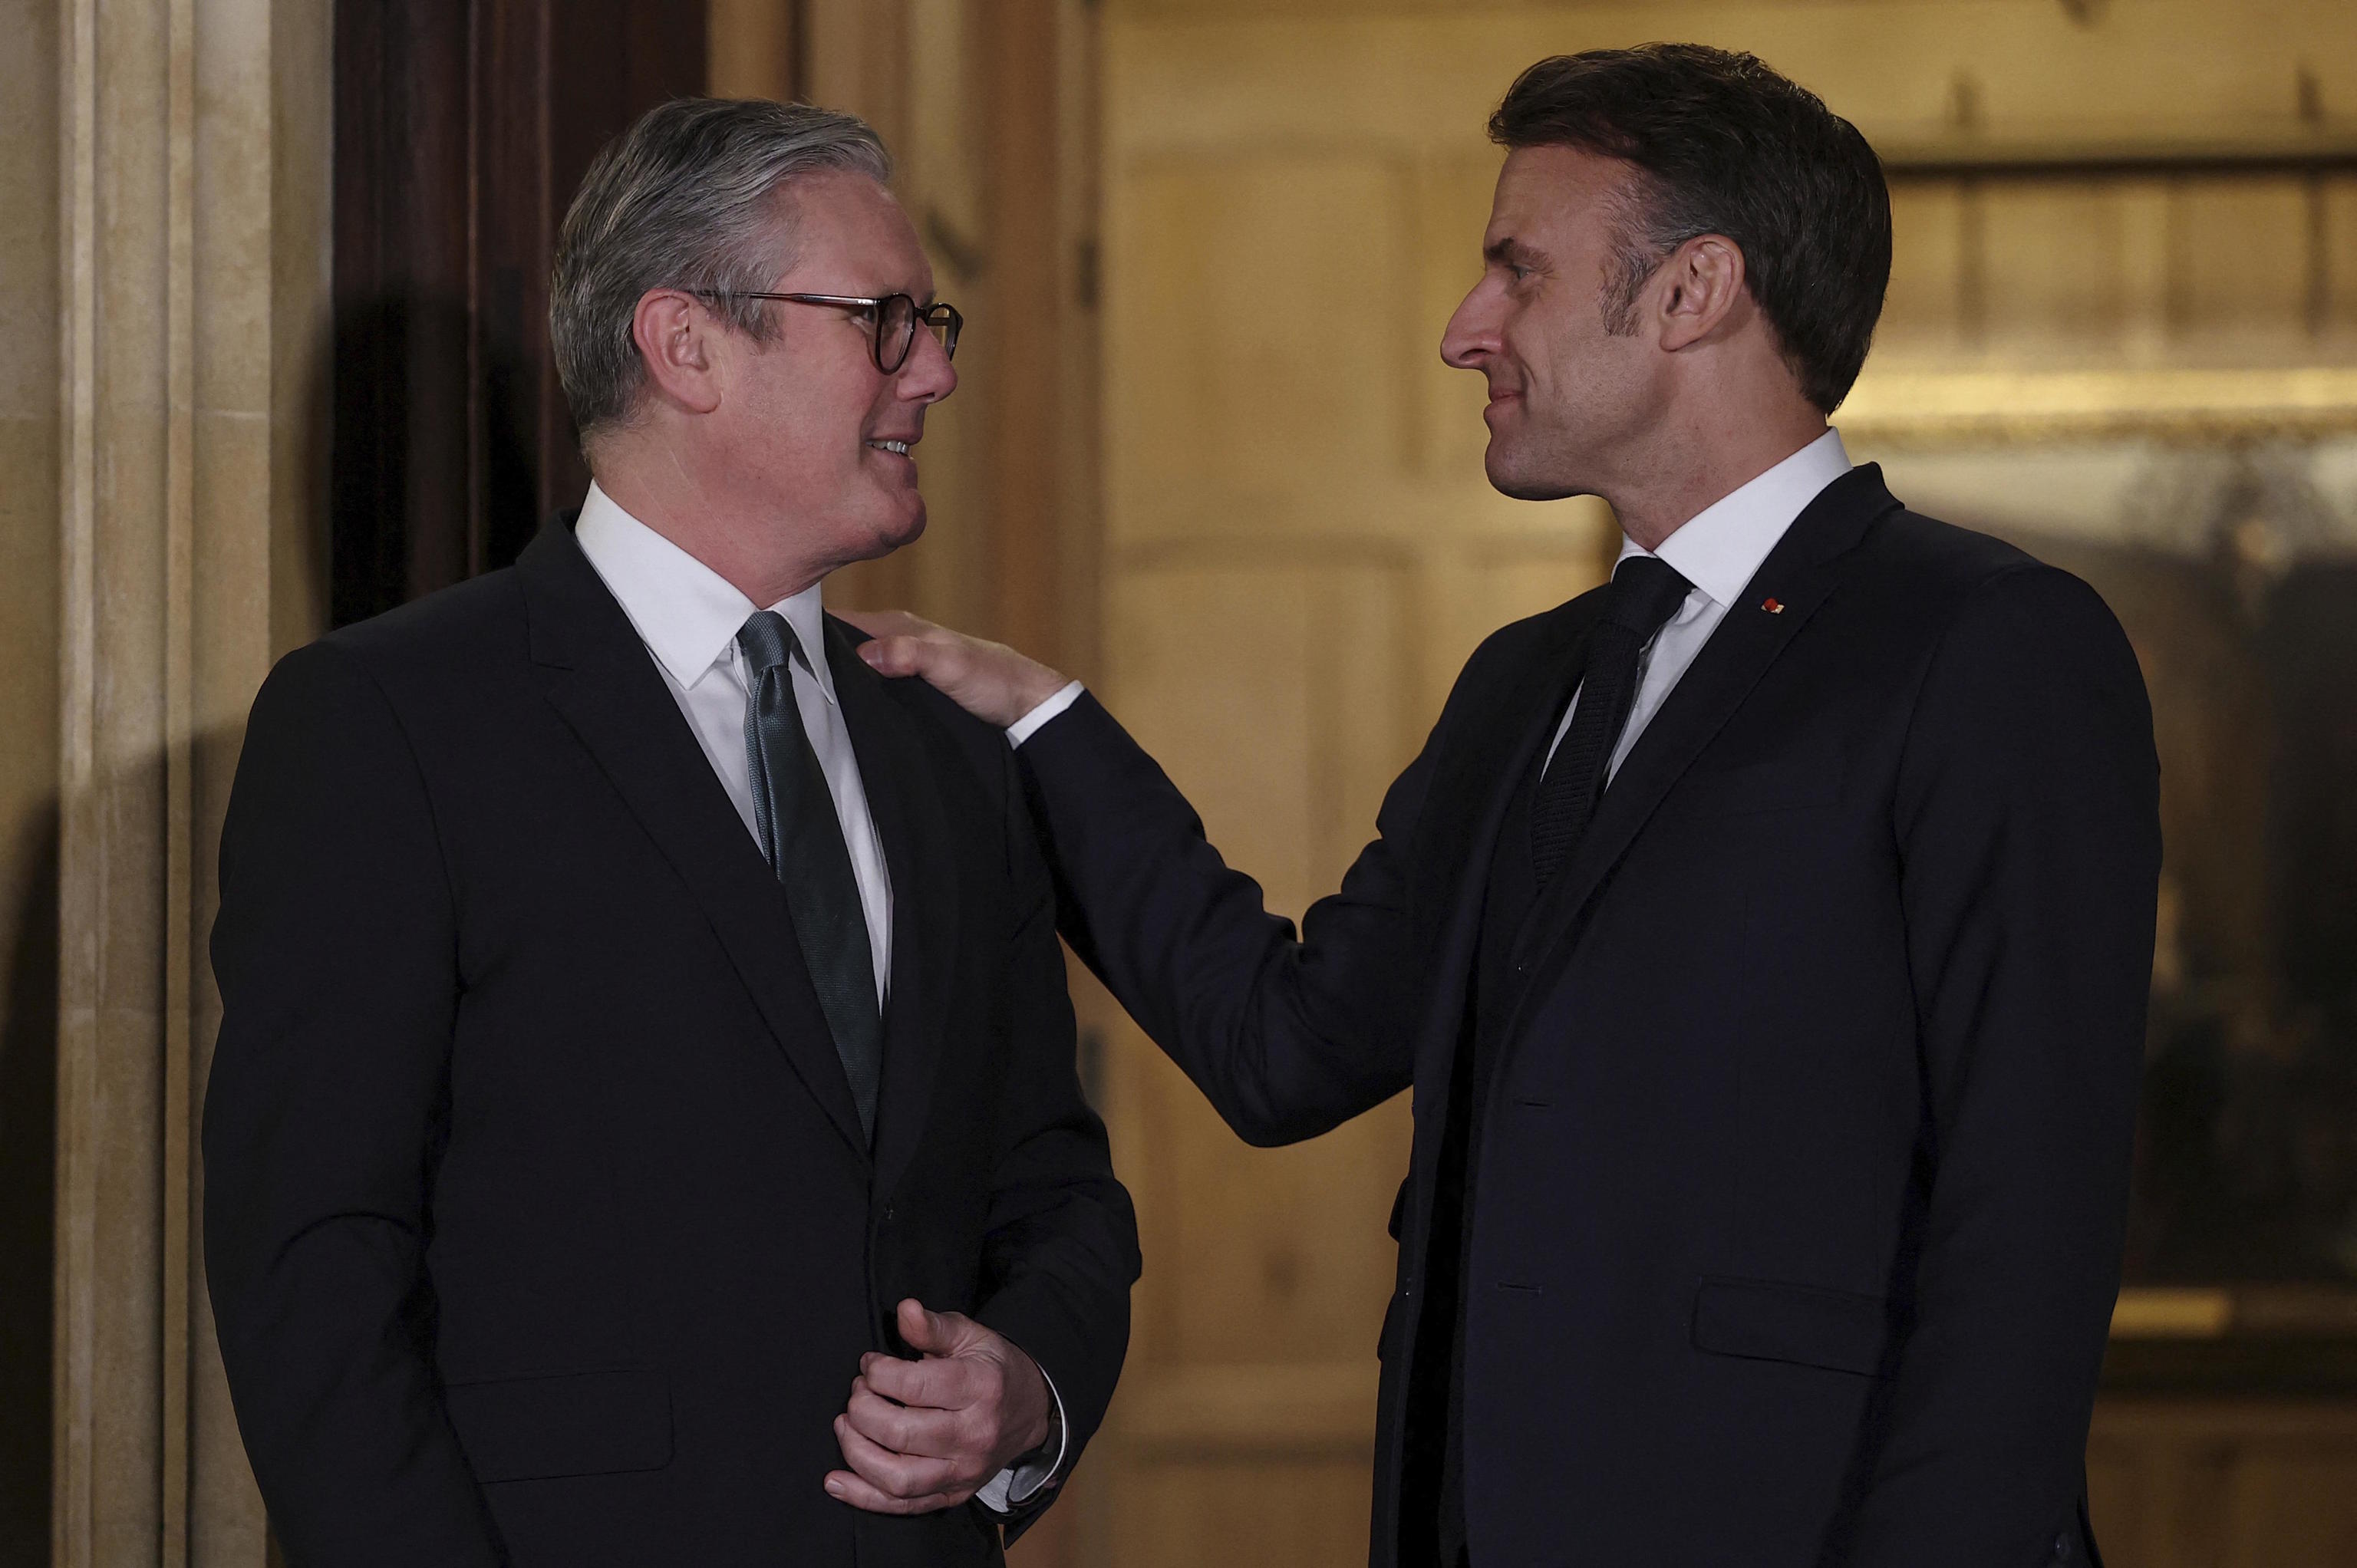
[834, 1489]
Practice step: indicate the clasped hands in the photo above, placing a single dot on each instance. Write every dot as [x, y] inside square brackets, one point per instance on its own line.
[927, 1434]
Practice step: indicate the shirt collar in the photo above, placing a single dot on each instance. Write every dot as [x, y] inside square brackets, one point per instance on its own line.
[808, 618]
[687, 614]
[1721, 548]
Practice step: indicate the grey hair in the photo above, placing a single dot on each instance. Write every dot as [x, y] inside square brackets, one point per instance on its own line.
[693, 197]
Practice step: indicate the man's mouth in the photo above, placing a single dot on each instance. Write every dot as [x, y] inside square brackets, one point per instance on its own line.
[899, 448]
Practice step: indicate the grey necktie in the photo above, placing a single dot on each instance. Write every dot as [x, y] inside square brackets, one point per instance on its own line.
[803, 838]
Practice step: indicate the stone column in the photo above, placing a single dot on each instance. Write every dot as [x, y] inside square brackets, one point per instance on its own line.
[192, 142]
[28, 763]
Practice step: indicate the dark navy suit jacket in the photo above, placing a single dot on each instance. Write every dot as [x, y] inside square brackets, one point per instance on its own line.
[540, 1224]
[1802, 1177]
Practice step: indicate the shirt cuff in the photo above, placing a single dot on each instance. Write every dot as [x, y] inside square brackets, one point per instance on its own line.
[1021, 1481]
[1031, 724]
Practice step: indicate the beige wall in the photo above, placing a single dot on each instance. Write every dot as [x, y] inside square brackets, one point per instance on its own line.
[163, 288]
[1300, 549]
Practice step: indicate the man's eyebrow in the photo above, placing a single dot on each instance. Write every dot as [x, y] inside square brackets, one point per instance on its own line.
[1510, 252]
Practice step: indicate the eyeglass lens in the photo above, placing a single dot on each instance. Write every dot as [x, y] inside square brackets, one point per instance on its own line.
[895, 330]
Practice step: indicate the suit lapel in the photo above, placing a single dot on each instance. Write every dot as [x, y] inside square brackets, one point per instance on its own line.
[1799, 574]
[602, 681]
[920, 855]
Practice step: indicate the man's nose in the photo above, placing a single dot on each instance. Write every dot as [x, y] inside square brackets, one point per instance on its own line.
[1471, 334]
[927, 377]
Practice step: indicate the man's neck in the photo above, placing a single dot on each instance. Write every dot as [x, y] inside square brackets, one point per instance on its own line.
[744, 550]
[1704, 464]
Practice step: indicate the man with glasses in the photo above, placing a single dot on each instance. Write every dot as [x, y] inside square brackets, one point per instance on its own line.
[644, 1127]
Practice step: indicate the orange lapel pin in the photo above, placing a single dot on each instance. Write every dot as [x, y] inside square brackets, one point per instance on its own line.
[1773, 606]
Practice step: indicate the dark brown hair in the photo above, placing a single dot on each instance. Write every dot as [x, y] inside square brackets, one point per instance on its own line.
[1722, 144]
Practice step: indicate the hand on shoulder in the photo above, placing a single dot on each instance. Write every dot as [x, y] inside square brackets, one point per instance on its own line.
[989, 680]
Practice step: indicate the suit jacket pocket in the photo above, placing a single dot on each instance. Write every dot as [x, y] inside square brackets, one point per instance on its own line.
[575, 1424]
[1764, 1321]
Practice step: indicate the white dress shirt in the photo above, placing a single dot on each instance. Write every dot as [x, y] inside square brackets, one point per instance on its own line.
[688, 616]
[1717, 550]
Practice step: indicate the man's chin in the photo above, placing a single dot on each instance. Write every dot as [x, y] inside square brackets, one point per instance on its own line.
[900, 532]
[883, 538]
[1510, 480]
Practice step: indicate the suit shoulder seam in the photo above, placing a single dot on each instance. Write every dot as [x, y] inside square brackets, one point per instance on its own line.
[1967, 598]
[416, 763]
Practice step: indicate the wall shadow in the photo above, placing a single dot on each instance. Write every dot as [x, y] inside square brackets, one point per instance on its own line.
[28, 1142]
[426, 485]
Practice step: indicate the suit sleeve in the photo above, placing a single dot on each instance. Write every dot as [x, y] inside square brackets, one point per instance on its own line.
[335, 953]
[1287, 1036]
[1062, 1249]
[2026, 817]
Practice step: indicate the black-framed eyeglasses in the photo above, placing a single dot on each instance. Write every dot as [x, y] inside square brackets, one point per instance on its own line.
[894, 317]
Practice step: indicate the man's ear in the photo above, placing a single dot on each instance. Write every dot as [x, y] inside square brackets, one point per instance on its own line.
[1700, 288]
[675, 334]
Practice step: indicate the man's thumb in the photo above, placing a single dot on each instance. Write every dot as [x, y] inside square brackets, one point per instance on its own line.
[932, 1332]
[894, 655]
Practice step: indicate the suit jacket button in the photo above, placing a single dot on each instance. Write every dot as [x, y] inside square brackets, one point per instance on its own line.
[2062, 1548]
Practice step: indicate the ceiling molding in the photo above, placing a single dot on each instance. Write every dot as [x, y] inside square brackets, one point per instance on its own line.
[2078, 153]
[1937, 407]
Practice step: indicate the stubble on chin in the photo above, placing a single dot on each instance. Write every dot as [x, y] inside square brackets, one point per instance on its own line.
[1512, 475]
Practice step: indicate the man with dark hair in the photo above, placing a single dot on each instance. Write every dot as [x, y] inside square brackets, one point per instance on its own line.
[1765, 934]
[645, 1127]
[1717, 143]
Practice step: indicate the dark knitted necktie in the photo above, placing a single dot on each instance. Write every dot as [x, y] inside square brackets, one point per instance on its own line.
[1645, 592]
[803, 838]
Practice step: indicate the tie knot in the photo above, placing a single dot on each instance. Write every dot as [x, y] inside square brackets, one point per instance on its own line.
[767, 642]
[1646, 591]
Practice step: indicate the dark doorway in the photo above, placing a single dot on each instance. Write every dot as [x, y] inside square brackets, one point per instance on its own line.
[462, 130]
